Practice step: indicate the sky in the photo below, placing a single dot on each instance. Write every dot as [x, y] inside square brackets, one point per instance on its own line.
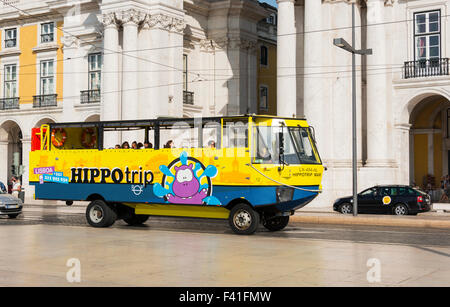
[271, 2]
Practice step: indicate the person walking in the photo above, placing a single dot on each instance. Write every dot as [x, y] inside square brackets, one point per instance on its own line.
[445, 189]
[17, 187]
[3, 188]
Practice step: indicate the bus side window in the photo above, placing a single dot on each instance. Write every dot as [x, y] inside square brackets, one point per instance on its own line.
[235, 134]
[179, 134]
[211, 135]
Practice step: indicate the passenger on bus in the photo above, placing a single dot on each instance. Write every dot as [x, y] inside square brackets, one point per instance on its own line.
[134, 145]
[140, 145]
[169, 144]
[212, 144]
[148, 145]
[126, 145]
[117, 146]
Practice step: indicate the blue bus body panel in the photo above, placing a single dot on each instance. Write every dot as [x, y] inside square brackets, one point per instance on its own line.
[258, 196]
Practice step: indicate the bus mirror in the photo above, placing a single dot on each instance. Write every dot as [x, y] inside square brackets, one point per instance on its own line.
[281, 143]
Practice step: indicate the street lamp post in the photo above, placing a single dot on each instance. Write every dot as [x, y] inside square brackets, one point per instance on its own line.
[341, 43]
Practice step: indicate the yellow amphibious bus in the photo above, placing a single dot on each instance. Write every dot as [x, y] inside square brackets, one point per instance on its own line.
[247, 169]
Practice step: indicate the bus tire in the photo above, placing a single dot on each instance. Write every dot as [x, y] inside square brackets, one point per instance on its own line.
[276, 223]
[100, 215]
[136, 219]
[243, 219]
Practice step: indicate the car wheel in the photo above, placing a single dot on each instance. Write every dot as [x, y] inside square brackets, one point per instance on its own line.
[243, 220]
[346, 208]
[276, 223]
[400, 209]
[13, 216]
[99, 214]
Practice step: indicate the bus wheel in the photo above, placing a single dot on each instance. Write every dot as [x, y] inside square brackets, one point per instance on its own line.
[243, 220]
[136, 219]
[99, 214]
[277, 223]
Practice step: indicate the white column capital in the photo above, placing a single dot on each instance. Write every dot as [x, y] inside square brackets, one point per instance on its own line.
[165, 22]
[109, 20]
[131, 17]
[385, 2]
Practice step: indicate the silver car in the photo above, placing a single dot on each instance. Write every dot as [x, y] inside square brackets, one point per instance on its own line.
[10, 205]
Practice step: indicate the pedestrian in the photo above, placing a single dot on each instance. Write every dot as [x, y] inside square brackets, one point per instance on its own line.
[3, 188]
[445, 189]
[17, 187]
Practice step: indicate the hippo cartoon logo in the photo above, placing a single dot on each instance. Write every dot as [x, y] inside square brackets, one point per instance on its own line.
[187, 183]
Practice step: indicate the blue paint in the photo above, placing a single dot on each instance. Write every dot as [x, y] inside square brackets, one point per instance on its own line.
[256, 195]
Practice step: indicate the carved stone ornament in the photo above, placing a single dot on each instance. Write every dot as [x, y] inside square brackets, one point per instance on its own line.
[131, 16]
[109, 19]
[70, 41]
[165, 22]
[386, 2]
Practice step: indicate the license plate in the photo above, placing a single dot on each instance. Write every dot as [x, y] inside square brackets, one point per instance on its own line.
[12, 206]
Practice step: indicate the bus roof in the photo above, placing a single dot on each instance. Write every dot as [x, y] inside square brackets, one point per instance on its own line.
[150, 122]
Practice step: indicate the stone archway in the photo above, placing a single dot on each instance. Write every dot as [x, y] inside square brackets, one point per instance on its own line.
[93, 118]
[10, 147]
[429, 148]
[44, 121]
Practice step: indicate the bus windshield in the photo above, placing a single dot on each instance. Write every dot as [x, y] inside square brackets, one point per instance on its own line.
[297, 144]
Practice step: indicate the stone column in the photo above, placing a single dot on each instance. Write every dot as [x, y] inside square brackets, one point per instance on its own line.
[403, 148]
[176, 53]
[71, 84]
[26, 149]
[130, 20]
[252, 78]
[4, 165]
[110, 106]
[377, 106]
[313, 58]
[287, 59]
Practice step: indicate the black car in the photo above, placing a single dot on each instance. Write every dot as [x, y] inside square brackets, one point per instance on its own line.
[391, 199]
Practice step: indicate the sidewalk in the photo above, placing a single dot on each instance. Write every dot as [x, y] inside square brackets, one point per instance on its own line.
[432, 219]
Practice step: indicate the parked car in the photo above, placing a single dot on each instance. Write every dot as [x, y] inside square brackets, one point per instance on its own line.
[388, 199]
[10, 205]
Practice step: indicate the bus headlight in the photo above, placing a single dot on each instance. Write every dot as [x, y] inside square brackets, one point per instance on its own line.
[284, 194]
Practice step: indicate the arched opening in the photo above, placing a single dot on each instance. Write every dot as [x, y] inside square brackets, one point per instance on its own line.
[44, 121]
[430, 143]
[93, 118]
[11, 147]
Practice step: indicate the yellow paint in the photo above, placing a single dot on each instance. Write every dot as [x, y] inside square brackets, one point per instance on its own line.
[59, 62]
[267, 76]
[438, 171]
[422, 120]
[180, 210]
[28, 68]
[420, 158]
[233, 164]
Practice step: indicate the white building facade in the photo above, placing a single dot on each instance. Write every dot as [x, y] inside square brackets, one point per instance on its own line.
[89, 60]
[403, 89]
